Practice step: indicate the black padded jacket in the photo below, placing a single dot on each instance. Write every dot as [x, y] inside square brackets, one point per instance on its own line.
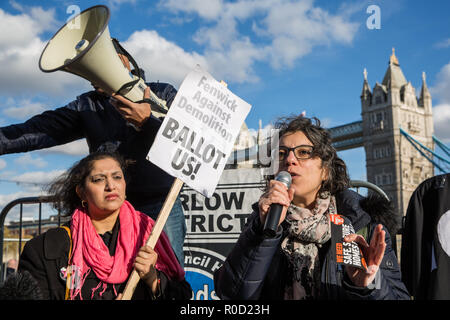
[257, 269]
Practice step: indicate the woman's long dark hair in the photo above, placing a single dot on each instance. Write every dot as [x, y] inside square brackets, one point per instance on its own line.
[63, 188]
[338, 179]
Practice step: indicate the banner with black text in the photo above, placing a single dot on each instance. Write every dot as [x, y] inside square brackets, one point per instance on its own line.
[199, 132]
[214, 224]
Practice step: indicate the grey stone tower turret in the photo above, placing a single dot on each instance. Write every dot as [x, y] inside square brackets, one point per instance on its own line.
[392, 162]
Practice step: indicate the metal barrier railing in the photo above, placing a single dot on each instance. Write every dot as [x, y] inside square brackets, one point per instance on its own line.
[47, 199]
[21, 202]
[396, 245]
[359, 183]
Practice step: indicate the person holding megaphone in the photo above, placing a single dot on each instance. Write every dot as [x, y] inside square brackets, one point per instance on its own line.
[123, 113]
[287, 250]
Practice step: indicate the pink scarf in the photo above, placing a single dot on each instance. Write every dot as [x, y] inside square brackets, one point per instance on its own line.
[90, 252]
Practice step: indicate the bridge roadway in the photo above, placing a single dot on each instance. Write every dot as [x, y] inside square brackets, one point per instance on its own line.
[347, 136]
[344, 137]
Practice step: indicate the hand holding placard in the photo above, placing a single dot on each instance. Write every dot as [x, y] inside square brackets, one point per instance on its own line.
[194, 143]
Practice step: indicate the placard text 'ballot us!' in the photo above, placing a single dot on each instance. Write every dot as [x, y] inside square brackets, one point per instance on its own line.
[198, 133]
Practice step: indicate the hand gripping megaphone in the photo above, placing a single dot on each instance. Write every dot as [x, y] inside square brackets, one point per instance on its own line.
[84, 47]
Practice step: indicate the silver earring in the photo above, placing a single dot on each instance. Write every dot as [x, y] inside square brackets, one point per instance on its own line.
[324, 194]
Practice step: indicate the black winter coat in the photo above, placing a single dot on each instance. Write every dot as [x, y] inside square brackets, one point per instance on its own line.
[425, 253]
[45, 255]
[257, 269]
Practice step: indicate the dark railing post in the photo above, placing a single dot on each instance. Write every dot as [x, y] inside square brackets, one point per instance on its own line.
[1, 251]
[20, 229]
[40, 217]
[7, 209]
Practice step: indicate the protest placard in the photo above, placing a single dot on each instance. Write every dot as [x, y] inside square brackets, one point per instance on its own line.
[193, 143]
[199, 131]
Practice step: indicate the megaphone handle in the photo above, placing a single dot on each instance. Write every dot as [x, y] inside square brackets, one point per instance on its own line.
[154, 100]
[129, 56]
[126, 85]
[133, 62]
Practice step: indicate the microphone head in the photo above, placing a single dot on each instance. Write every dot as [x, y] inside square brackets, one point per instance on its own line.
[285, 178]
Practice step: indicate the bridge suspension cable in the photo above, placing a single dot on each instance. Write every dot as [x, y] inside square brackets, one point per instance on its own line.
[444, 166]
[441, 145]
[36, 184]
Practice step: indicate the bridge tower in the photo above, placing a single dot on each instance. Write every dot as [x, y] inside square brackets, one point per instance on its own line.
[392, 162]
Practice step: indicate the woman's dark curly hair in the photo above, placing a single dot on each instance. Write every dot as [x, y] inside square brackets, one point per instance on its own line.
[63, 188]
[338, 179]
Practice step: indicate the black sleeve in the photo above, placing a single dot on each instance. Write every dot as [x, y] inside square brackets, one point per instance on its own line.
[46, 130]
[244, 271]
[173, 289]
[164, 91]
[31, 260]
[151, 127]
[416, 244]
[169, 289]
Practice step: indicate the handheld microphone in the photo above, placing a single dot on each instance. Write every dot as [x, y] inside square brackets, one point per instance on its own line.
[273, 216]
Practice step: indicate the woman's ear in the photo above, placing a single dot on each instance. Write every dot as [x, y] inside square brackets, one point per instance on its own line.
[79, 192]
[325, 174]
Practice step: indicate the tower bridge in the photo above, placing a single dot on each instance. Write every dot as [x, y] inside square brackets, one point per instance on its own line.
[392, 118]
[390, 108]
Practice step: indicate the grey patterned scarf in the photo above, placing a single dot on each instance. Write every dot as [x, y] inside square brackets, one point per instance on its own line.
[308, 231]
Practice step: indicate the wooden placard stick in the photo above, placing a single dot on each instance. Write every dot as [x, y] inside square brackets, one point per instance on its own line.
[154, 236]
[157, 229]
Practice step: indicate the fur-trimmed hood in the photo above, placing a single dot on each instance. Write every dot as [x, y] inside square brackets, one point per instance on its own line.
[373, 208]
[382, 211]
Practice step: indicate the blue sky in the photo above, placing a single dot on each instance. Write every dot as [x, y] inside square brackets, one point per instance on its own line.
[280, 56]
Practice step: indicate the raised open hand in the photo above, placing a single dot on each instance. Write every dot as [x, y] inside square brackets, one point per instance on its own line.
[373, 254]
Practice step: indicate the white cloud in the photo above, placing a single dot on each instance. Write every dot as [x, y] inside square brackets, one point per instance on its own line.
[441, 111]
[441, 119]
[19, 30]
[20, 49]
[25, 110]
[2, 164]
[37, 177]
[443, 44]
[161, 59]
[75, 148]
[235, 64]
[7, 198]
[27, 160]
[441, 90]
[208, 11]
[297, 27]
[29, 210]
[326, 122]
[31, 184]
[282, 33]
[114, 4]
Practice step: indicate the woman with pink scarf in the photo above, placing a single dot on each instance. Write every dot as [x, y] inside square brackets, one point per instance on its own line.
[92, 256]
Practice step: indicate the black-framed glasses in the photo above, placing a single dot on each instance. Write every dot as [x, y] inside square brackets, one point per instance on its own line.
[301, 152]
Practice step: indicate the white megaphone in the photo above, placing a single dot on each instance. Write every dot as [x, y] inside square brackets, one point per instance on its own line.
[83, 46]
